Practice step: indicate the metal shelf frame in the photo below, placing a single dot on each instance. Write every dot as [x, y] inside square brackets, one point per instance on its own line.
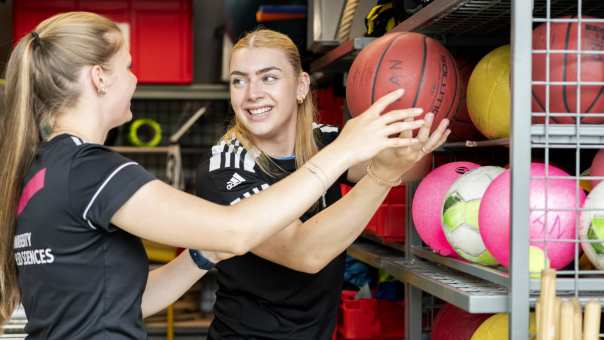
[184, 92]
[475, 288]
[345, 52]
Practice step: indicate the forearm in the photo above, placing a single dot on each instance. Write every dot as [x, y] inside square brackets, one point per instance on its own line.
[168, 282]
[265, 213]
[356, 172]
[310, 246]
[327, 234]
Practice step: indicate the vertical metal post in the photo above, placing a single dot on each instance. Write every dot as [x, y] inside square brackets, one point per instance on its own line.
[520, 157]
[413, 296]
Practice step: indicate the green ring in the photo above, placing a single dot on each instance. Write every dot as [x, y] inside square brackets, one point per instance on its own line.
[133, 134]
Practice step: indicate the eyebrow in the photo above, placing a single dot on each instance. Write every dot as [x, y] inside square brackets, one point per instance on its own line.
[264, 70]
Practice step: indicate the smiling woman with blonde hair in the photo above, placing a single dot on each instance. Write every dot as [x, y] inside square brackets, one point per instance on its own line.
[288, 287]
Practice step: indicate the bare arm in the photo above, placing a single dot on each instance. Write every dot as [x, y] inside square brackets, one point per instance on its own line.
[170, 281]
[310, 246]
[416, 173]
[163, 214]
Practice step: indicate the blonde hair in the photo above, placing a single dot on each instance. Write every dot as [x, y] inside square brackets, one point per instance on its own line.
[305, 146]
[41, 81]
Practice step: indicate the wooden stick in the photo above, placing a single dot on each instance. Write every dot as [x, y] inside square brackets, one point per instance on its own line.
[548, 296]
[557, 309]
[567, 318]
[578, 319]
[538, 317]
[591, 323]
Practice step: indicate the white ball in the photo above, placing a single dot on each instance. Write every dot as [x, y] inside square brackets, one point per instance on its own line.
[592, 226]
[460, 214]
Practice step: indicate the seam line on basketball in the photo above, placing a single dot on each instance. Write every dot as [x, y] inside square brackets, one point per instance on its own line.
[452, 112]
[379, 65]
[593, 103]
[423, 71]
[566, 42]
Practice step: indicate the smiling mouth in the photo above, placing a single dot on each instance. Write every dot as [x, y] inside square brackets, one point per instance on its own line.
[260, 112]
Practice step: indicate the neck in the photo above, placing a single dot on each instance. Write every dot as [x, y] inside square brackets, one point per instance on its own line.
[276, 146]
[85, 125]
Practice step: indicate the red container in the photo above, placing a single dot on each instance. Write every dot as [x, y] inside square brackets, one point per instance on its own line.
[159, 32]
[392, 319]
[369, 319]
[388, 223]
[330, 107]
[389, 220]
[358, 320]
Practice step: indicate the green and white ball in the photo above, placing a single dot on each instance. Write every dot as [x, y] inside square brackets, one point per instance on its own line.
[460, 214]
[592, 226]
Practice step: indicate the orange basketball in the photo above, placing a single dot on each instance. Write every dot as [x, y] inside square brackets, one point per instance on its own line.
[413, 61]
[563, 67]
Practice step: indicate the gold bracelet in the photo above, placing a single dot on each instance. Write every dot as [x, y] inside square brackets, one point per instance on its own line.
[381, 181]
[318, 173]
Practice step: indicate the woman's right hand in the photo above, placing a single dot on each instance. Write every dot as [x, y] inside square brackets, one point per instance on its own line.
[371, 132]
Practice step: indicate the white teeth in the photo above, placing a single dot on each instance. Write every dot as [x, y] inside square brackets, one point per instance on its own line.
[260, 110]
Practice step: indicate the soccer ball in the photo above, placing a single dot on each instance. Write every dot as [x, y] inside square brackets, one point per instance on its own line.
[460, 214]
[592, 226]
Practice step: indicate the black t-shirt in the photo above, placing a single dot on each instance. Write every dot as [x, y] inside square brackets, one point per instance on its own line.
[259, 299]
[80, 276]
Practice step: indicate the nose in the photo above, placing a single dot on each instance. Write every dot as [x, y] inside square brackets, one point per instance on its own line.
[255, 91]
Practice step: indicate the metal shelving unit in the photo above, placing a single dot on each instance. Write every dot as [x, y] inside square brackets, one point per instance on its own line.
[568, 136]
[186, 92]
[340, 56]
[476, 288]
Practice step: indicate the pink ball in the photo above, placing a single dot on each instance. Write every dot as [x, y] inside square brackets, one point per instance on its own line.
[597, 167]
[494, 215]
[452, 323]
[427, 203]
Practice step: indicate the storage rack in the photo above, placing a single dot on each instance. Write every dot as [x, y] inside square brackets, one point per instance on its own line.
[476, 288]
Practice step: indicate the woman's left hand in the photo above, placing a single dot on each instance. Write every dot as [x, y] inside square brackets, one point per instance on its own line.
[394, 162]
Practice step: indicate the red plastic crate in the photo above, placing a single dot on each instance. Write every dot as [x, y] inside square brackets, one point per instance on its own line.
[388, 223]
[160, 33]
[329, 106]
[369, 319]
[392, 319]
[389, 220]
[358, 320]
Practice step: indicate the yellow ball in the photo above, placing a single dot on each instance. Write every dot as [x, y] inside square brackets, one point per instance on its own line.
[537, 262]
[488, 94]
[496, 328]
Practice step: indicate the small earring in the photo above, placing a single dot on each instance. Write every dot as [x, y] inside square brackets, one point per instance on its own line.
[101, 91]
[300, 100]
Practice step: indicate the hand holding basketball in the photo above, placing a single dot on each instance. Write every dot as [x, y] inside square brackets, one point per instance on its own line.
[371, 132]
[399, 160]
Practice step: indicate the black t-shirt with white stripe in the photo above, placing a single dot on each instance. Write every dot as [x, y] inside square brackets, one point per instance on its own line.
[80, 276]
[258, 299]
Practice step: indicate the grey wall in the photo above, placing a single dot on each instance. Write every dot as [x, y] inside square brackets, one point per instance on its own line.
[208, 18]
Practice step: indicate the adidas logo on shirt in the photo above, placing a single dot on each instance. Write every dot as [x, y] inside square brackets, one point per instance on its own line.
[234, 181]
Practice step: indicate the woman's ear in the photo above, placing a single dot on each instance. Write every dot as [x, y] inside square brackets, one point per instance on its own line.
[98, 77]
[303, 86]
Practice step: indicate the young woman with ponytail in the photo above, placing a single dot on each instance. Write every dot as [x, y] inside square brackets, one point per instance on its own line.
[71, 210]
[288, 287]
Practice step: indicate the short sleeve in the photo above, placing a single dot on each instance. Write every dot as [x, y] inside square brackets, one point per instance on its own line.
[100, 182]
[227, 186]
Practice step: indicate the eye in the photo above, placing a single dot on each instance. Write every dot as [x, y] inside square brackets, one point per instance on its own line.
[237, 82]
[269, 78]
